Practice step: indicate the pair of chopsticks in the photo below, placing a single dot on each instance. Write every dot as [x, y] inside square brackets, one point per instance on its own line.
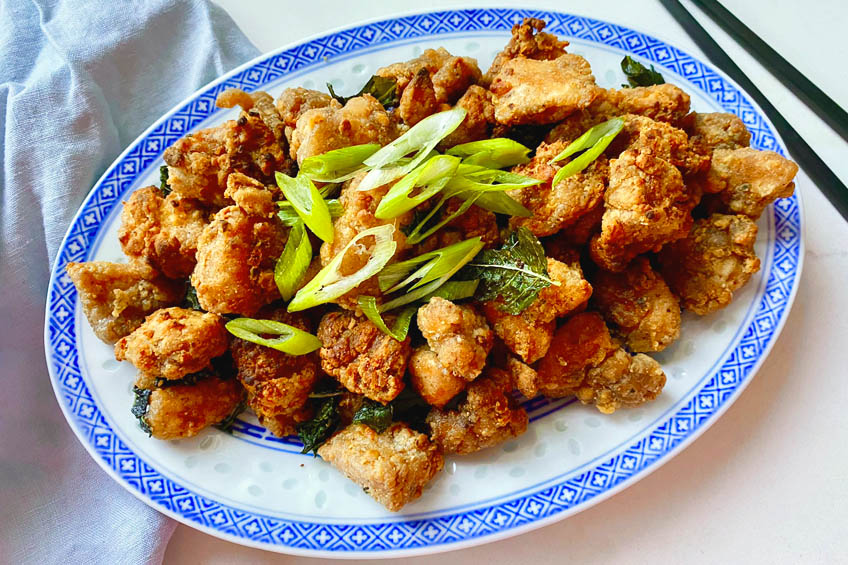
[829, 184]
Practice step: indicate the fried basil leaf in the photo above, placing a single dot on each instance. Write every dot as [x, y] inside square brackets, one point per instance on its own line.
[140, 406]
[376, 416]
[191, 301]
[227, 423]
[638, 74]
[313, 433]
[382, 88]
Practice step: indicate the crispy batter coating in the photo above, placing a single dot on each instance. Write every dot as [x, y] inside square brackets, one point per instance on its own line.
[529, 333]
[250, 195]
[748, 180]
[361, 357]
[362, 120]
[259, 101]
[162, 231]
[488, 416]
[418, 99]
[480, 113]
[661, 102]
[236, 254]
[527, 91]
[662, 140]
[585, 361]
[116, 297]
[638, 304]
[294, 102]
[393, 467]
[529, 41]
[475, 222]
[716, 130]
[174, 342]
[716, 259]
[647, 206]
[435, 382]
[277, 384]
[182, 411]
[522, 376]
[199, 163]
[458, 335]
[558, 207]
[450, 75]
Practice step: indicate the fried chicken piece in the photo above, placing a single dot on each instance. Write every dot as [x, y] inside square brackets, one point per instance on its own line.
[199, 163]
[294, 102]
[480, 113]
[174, 342]
[662, 140]
[182, 411]
[116, 297]
[638, 304]
[647, 206]
[277, 384]
[475, 222]
[558, 207]
[458, 335]
[529, 333]
[748, 180]
[661, 102]
[527, 91]
[418, 99]
[522, 376]
[162, 231]
[716, 259]
[435, 382]
[393, 467]
[488, 416]
[362, 120]
[450, 75]
[528, 41]
[361, 357]
[260, 101]
[237, 252]
[716, 130]
[585, 361]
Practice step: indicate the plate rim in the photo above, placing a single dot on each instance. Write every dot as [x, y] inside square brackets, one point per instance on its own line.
[484, 538]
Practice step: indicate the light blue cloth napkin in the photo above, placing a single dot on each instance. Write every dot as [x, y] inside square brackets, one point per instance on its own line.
[79, 80]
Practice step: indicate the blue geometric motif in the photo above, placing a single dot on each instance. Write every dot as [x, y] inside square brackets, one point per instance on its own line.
[659, 443]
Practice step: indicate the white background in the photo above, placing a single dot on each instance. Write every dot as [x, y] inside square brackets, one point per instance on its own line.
[769, 481]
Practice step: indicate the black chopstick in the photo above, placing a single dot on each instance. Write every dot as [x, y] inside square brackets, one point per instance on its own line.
[818, 101]
[827, 182]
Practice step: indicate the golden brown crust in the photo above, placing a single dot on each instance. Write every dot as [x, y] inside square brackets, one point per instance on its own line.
[418, 99]
[716, 130]
[661, 102]
[488, 416]
[450, 75]
[621, 380]
[116, 297]
[528, 41]
[361, 357]
[435, 382]
[174, 342]
[393, 467]
[716, 259]
[458, 335]
[182, 411]
[480, 114]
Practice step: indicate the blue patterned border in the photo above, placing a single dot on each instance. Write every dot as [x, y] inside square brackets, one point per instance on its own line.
[458, 528]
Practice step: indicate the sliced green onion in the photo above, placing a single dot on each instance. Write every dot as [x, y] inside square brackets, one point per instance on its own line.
[399, 329]
[421, 139]
[415, 236]
[308, 204]
[289, 217]
[292, 264]
[339, 164]
[473, 177]
[593, 143]
[329, 283]
[429, 178]
[496, 153]
[291, 340]
[499, 203]
[454, 290]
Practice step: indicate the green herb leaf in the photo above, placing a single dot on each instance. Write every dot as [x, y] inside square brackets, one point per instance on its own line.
[191, 300]
[330, 283]
[308, 203]
[594, 142]
[495, 153]
[427, 180]
[291, 340]
[376, 416]
[338, 165]
[163, 180]
[139, 408]
[638, 74]
[399, 330]
[313, 433]
[382, 88]
[516, 272]
[227, 423]
[293, 263]
[409, 407]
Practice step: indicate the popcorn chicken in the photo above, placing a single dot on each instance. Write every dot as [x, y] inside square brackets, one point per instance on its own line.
[716, 130]
[622, 380]
[522, 376]
[638, 304]
[528, 41]
[450, 75]
[480, 114]
[527, 91]
[393, 467]
[661, 102]
[294, 102]
[162, 231]
[716, 259]
[174, 342]
[662, 140]
[458, 335]
[487, 417]
[418, 99]
[361, 357]
[436, 383]
[116, 297]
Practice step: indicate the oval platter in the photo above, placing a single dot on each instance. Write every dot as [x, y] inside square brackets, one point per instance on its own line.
[252, 488]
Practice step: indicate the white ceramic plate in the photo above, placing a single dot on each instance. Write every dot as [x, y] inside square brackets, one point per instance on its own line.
[253, 488]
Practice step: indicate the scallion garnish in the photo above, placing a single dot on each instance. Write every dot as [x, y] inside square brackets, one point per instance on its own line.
[592, 143]
[496, 153]
[330, 283]
[338, 165]
[291, 340]
[415, 236]
[427, 179]
[289, 217]
[454, 290]
[399, 329]
[308, 203]
[292, 264]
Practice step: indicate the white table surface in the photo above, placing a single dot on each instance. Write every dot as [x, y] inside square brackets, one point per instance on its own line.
[768, 483]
